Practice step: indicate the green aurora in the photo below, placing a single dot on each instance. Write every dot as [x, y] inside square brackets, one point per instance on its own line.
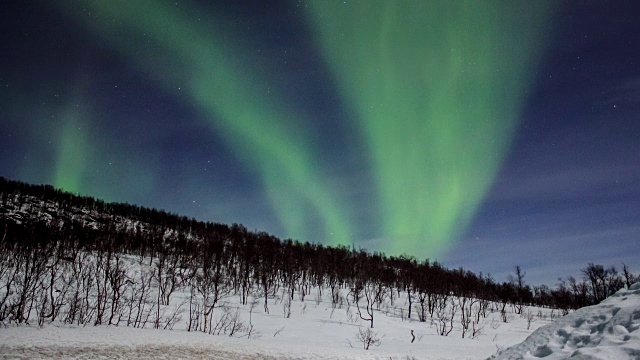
[240, 105]
[72, 153]
[437, 88]
[434, 87]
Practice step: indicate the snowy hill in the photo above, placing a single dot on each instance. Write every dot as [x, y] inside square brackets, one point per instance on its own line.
[81, 278]
[609, 330]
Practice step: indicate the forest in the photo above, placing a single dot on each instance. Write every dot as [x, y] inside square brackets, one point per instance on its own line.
[65, 258]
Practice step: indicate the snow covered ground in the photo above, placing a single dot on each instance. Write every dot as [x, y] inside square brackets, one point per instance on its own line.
[317, 331]
[315, 328]
[309, 339]
[609, 330]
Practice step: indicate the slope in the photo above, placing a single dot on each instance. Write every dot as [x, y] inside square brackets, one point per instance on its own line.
[609, 330]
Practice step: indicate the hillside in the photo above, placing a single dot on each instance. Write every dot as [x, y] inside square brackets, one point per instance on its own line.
[78, 276]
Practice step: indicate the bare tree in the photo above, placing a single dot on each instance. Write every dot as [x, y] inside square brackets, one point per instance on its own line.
[368, 337]
[628, 276]
[530, 318]
[445, 316]
[369, 290]
[118, 282]
[165, 272]
[517, 281]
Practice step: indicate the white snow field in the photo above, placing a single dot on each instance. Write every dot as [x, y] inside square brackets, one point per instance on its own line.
[605, 331]
[314, 334]
[317, 331]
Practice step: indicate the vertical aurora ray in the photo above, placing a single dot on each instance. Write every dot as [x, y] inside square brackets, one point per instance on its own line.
[205, 62]
[72, 152]
[436, 87]
[60, 151]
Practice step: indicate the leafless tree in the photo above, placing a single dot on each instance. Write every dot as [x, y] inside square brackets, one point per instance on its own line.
[628, 276]
[137, 301]
[165, 272]
[445, 315]
[530, 318]
[369, 290]
[286, 307]
[368, 337]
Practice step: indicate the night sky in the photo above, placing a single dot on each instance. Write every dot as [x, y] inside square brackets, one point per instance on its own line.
[479, 134]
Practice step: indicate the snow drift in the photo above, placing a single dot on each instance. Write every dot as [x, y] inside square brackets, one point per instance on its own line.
[605, 331]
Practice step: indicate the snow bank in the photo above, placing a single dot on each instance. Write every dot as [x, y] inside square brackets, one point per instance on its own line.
[605, 331]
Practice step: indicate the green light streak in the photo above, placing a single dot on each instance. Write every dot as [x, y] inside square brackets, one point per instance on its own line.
[171, 46]
[437, 87]
[72, 152]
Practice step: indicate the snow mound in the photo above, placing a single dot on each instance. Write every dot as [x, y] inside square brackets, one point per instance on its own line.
[609, 330]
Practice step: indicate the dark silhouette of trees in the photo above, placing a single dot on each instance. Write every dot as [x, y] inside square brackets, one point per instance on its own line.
[628, 276]
[49, 237]
[604, 282]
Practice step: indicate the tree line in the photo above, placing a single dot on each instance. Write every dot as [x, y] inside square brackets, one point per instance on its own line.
[61, 259]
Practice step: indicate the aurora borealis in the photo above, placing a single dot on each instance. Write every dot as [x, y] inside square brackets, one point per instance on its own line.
[233, 102]
[425, 128]
[408, 81]
[436, 88]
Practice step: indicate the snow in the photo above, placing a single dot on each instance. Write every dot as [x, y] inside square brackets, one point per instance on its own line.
[318, 330]
[118, 342]
[608, 330]
[315, 330]
[308, 341]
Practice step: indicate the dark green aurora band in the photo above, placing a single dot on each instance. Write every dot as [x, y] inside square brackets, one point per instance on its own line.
[435, 89]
